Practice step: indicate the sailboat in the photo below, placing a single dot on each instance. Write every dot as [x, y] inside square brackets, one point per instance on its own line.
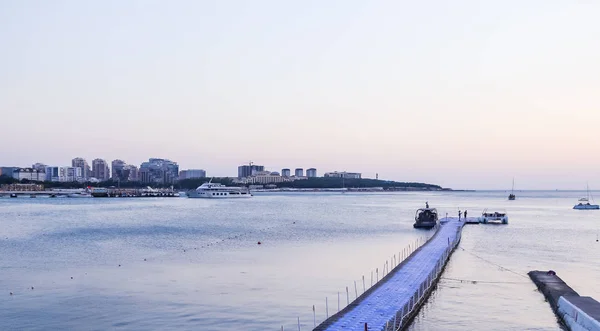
[512, 196]
[584, 203]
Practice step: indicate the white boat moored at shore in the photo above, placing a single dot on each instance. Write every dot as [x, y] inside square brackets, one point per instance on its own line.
[219, 191]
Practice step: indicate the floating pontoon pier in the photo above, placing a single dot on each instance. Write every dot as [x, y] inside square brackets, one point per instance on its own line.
[394, 301]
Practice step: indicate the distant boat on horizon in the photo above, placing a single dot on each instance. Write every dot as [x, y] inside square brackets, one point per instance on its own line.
[512, 195]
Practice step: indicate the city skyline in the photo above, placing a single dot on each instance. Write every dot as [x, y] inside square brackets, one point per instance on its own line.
[464, 95]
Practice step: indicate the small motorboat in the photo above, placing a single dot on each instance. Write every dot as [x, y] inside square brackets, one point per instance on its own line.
[13, 195]
[426, 218]
[487, 217]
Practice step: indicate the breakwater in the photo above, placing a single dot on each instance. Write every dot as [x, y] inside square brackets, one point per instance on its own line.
[577, 312]
[394, 301]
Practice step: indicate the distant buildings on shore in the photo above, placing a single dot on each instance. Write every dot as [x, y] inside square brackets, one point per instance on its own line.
[155, 171]
[256, 174]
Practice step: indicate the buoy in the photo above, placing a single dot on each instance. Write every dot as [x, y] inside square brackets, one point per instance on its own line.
[144, 259]
[32, 287]
[119, 265]
[259, 242]
[71, 277]
[10, 293]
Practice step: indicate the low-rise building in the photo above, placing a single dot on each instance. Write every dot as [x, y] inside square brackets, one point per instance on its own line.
[265, 177]
[29, 174]
[22, 187]
[343, 174]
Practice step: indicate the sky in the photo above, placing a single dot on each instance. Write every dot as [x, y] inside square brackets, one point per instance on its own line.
[464, 94]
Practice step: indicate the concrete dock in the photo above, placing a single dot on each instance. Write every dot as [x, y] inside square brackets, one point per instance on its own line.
[577, 313]
[394, 301]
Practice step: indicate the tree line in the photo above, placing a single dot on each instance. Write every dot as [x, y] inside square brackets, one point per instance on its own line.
[190, 184]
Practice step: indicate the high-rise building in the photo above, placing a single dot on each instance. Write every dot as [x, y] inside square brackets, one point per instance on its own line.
[249, 170]
[73, 174]
[79, 162]
[132, 172]
[311, 172]
[117, 167]
[299, 172]
[100, 170]
[7, 171]
[286, 172]
[160, 171]
[192, 173]
[56, 174]
[39, 167]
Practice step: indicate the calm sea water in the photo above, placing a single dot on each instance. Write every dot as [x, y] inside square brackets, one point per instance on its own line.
[194, 264]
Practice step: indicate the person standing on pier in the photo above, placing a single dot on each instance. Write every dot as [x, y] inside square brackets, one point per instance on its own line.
[459, 214]
[465, 214]
[427, 204]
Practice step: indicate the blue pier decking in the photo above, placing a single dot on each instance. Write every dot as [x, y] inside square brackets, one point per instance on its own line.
[392, 302]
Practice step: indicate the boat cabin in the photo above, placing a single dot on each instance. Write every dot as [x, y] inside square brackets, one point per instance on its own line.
[488, 216]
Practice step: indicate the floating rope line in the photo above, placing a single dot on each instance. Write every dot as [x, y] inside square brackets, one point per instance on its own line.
[481, 281]
[495, 264]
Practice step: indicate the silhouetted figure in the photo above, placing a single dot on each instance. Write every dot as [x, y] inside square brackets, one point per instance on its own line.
[427, 204]
[465, 215]
[459, 214]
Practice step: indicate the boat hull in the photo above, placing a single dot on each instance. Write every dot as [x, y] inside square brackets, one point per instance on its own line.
[424, 225]
[207, 195]
[586, 207]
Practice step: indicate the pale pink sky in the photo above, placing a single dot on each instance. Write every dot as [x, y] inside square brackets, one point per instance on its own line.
[464, 94]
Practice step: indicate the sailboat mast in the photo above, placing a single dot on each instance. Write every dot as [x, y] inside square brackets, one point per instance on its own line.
[513, 186]
[588, 191]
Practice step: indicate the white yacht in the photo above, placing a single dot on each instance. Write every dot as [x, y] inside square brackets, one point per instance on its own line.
[487, 217]
[219, 191]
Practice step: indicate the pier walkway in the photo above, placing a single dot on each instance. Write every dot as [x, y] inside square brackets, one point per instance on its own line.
[394, 301]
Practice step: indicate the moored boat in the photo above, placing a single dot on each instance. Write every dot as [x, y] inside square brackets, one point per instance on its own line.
[426, 218]
[512, 195]
[487, 217]
[99, 192]
[584, 203]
